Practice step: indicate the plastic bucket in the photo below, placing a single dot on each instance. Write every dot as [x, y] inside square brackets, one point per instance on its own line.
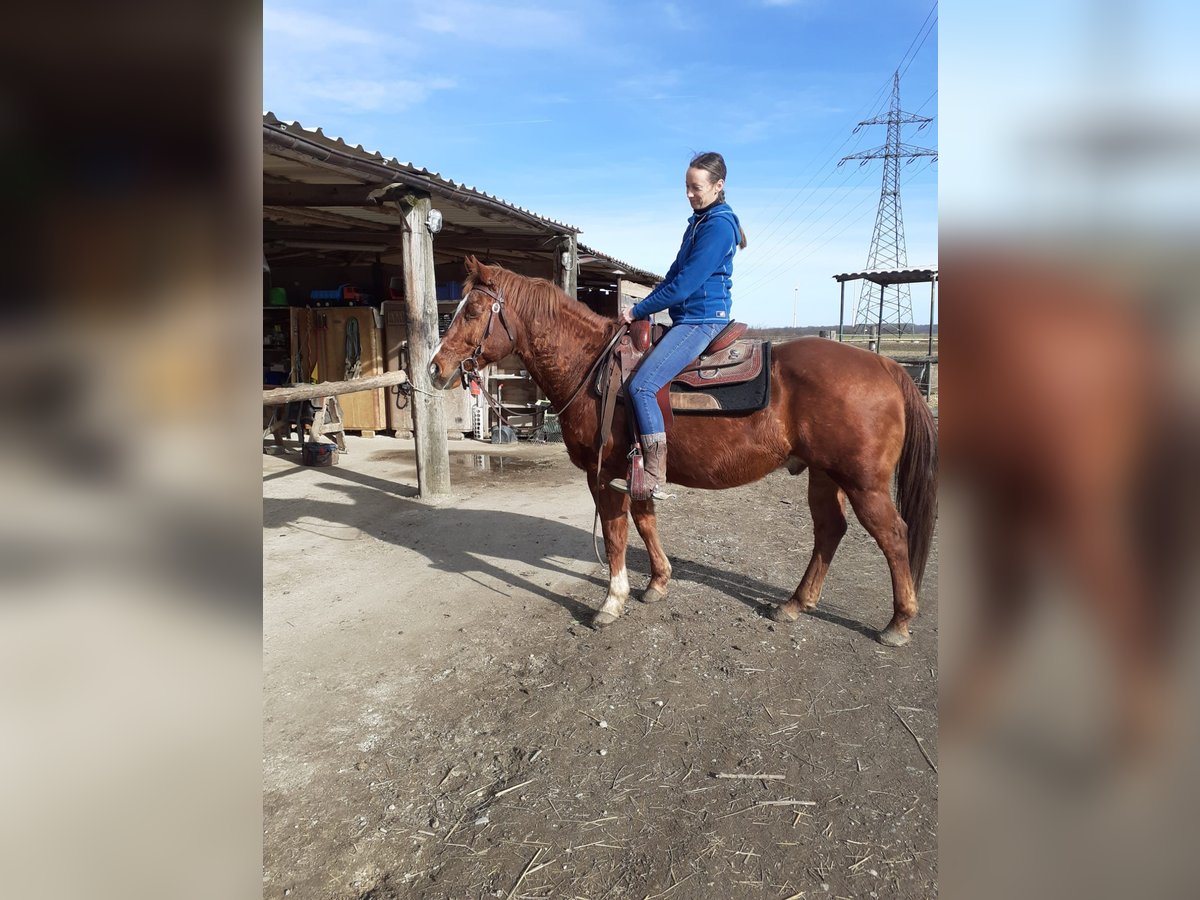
[317, 453]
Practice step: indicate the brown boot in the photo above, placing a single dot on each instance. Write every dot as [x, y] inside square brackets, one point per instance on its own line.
[654, 458]
[655, 461]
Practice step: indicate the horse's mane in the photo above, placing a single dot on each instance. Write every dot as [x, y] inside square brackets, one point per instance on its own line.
[539, 301]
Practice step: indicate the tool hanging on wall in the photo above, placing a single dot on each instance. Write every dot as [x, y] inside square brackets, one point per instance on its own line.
[353, 350]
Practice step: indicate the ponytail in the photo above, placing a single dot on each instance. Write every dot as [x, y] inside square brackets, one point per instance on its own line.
[714, 164]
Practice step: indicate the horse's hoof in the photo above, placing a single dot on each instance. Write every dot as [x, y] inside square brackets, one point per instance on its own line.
[653, 595]
[780, 614]
[602, 620]
[893, 637]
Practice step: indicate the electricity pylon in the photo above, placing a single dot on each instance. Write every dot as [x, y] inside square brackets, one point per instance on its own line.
[887, 243]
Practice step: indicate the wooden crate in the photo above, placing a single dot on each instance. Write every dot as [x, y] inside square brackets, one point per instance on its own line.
[363, 410]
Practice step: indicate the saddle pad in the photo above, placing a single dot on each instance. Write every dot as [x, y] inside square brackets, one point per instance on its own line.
[725, 396]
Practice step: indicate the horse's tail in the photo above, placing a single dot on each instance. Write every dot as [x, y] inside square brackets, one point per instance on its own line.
[916, 476]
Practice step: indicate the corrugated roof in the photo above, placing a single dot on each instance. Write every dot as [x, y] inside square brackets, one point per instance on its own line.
[584, 250]
[448, 187]
[891, 276]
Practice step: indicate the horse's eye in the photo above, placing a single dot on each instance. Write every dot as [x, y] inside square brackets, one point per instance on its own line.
[470, 313]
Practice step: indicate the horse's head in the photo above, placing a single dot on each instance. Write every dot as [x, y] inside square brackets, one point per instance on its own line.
[481, 332]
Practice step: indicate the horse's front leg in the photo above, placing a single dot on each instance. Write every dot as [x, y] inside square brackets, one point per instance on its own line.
[614, 522]
[660, 566]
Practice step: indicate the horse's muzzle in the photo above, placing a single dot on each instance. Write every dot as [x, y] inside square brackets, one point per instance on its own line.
[436, 378]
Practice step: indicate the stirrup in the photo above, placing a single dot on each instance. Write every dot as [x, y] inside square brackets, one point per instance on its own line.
[621, 486]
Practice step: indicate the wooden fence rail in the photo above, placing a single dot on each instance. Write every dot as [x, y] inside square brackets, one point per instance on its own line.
[280, 396]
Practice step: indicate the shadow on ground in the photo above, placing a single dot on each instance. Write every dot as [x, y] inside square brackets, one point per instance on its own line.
[465, 542]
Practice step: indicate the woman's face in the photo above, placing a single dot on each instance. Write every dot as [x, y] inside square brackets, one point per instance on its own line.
[701, 189]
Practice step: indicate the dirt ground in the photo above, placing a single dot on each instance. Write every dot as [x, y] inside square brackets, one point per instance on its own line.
[439, 722]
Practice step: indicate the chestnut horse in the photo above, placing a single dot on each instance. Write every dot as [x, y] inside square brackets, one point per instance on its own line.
[849, 416]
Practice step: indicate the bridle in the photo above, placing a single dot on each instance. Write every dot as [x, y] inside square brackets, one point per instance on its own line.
[469, 367]
[496, 310]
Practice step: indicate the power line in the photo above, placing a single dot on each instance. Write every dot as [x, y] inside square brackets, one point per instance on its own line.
[803, 253]
[932, 10]
[919, 41]
[810, 250]
[813, 214]
[932, 25]
[882, 92]
[923, 28]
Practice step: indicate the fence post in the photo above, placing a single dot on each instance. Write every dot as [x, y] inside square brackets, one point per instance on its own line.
[420, 298]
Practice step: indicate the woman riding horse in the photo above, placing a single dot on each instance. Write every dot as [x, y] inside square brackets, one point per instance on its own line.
[697, 293]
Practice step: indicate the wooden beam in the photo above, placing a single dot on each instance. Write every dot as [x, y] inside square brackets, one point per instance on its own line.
[273, 232]
[317, 195]
[301, 215]
[566, 264]
[420, 298]
[280, 396]
[473, 244]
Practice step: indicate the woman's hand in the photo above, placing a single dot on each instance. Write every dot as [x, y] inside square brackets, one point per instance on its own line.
[627, 315]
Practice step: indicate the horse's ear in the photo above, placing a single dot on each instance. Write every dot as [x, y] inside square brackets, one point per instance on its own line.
[485, 274]
[472, 265]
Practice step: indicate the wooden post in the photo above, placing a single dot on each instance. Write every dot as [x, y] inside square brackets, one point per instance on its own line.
[420, 297]
[628, 294]
[842, 311]
[567, 264]
[932, 282]
[929, 353]
[879, 329]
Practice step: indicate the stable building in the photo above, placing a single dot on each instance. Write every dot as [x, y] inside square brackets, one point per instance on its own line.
[363, 269]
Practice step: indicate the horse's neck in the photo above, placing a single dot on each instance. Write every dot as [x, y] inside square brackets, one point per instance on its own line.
[559, 358]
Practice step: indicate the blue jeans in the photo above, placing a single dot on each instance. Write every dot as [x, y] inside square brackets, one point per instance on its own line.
[680, 345]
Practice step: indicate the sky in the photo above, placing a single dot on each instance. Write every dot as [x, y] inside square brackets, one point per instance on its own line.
[587, 112]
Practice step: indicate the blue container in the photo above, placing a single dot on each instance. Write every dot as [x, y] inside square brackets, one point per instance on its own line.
[450, 290]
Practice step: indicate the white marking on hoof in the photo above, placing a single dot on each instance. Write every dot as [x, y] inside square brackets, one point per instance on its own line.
[602, 620]
[618, 593]
[612, 607]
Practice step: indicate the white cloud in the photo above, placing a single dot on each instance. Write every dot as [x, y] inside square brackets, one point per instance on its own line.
[502, 25]
[311, 30]
[365, 95]
[676, 18]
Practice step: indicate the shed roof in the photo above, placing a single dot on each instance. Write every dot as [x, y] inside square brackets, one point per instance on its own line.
[595, 259]
[288, 166]
[891, 276]
[321, 193]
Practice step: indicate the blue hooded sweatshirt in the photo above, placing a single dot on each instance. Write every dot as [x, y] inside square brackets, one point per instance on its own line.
[698, 284]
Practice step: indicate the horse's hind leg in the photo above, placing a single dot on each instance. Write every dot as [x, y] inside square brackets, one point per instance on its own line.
[614, 522]
[878, 515]
[825, 502]
[660, 566]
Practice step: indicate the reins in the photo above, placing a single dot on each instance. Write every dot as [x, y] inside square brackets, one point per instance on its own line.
[596, 365]
[607, 400]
